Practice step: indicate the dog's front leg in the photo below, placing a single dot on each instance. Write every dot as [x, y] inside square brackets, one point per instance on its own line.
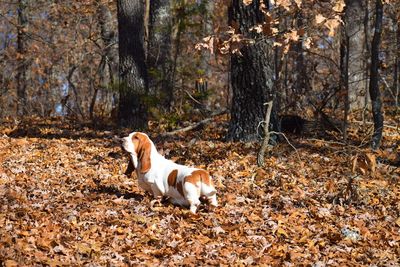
[157, 194]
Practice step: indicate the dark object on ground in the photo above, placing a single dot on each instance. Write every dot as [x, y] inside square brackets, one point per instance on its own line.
[293, 124]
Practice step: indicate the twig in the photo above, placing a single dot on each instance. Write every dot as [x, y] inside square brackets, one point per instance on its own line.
[334, 143]
[387, 86]
[385, 125]
[32, 35]
[194, 99]
[287, 140]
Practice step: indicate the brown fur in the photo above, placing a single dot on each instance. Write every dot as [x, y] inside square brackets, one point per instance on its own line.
[172, 178]
[199, 176]
[143, 149]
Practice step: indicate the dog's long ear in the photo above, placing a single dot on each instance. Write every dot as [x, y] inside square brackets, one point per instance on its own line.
[130, 168]
[145, 161]
[144, 153]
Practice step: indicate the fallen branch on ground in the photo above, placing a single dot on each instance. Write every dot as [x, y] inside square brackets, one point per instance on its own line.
[195, 125]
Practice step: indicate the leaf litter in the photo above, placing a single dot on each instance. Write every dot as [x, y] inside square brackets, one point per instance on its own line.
[64, 200]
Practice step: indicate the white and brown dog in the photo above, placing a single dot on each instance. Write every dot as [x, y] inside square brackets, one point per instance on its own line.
[184, 186]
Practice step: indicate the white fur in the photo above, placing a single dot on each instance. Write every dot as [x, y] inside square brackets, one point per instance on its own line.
[155, 180]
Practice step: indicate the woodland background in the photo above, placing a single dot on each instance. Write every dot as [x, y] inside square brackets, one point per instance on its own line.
[318, 185]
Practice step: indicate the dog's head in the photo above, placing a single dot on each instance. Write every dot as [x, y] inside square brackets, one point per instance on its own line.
[138, 145]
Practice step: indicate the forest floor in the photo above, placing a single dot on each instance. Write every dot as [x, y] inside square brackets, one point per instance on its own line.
[64, 200]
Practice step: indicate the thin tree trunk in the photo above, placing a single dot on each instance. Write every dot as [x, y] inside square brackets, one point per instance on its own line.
[73, 87]
[344, 80]
[301, 69]
[367, 52]
[396, 85]
[207, 30]
[177, 42]
[22, 59]
[374, 78]
[93, 103]
[132, 66]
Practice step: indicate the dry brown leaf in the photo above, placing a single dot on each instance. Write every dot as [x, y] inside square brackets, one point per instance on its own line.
[247, 2]
[339, 6]
[319, 18]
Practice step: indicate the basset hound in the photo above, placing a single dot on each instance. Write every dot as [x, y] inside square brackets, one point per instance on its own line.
[182, 185]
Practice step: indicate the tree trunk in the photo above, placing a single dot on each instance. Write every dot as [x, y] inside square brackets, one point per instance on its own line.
[374, 78]
[354, 24]
[396, 68]
[301, 76]
[77, 105]
[108, 69]
[367, 52]
[22, 59]
[178, 25]
[159, 58]
[251, 75]
[132, 66]
[208, 28]
[344, 78]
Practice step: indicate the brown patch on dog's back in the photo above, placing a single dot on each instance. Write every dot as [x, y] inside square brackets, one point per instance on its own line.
[199, 176]
[172, 178]
[193, 178]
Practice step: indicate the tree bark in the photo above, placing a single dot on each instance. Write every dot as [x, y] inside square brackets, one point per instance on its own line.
[354, 25]
[77, 105]
[344, 79]
[108, 36]
[396, 68]
[374, 78]
[22, 59]
[251, 75]
[132, 66]
[108, 69]
[301, 76]
[367, 52]
[159, 57]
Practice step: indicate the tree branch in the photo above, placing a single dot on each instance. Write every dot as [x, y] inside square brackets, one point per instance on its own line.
[264, 146]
